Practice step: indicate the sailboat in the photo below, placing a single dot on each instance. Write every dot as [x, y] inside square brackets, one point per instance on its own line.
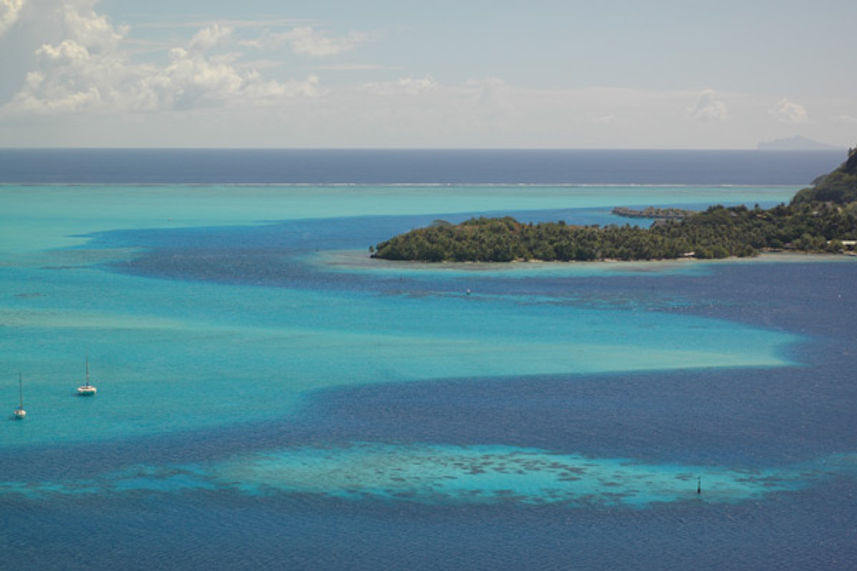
[86, 390]
[19, 413]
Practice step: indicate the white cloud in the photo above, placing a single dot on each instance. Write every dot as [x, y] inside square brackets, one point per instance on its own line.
[403, 86]
[196, 100]
[88, 70]
[60, 100]
[790, 112]
[708, 108]
[86, 27]
[9, 12]
[352, 67]
[66, 53]
[493, 100]
[305, 40]
[491, 92]
[259, 90]
[193, 81]
[92, 85]
[190, 81]
[210, 37]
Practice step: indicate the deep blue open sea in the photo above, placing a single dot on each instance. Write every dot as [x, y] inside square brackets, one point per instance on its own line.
[270, 397]
[369, 166]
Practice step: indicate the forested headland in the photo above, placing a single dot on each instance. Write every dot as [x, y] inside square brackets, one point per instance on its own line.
[821, 218]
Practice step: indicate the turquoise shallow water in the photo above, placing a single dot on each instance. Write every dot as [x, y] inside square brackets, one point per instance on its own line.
[177, 355]
[247, 352]
[173, 355]
[40, 217]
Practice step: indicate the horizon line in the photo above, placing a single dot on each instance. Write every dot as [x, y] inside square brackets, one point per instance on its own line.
[191, 148]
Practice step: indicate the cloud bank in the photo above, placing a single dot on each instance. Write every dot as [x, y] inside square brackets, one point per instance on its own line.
[88, 81]
[9, 12]
[709, 108]
[88, 70]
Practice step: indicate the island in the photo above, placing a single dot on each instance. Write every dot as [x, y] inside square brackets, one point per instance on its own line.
[820, 218]
[796, 143]
[652, 212]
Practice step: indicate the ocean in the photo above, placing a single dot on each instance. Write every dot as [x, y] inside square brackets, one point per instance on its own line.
[271, 397]
[416, 166]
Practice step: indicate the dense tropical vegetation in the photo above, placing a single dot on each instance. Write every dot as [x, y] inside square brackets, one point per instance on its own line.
[652, 212]
[818, 219]
[838, 187]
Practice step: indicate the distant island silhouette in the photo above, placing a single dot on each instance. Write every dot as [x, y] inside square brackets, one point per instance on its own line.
[820, 218]
[796, 143]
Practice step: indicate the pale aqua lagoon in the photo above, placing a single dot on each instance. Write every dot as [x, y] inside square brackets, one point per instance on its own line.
[253, 362]
[183, 354]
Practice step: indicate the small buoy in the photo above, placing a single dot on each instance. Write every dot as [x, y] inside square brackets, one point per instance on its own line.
[699, 485]
[468, 291]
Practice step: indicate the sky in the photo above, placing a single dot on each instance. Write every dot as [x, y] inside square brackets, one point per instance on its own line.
[661, 74]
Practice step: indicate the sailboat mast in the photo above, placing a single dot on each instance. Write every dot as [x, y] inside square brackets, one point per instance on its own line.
[86, 390]
[20, 390]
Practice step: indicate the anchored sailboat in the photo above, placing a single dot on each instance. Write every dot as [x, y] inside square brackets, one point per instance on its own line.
[19, 413]
[86, 390]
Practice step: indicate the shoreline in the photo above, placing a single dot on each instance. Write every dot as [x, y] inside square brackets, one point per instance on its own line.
[360, 260]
